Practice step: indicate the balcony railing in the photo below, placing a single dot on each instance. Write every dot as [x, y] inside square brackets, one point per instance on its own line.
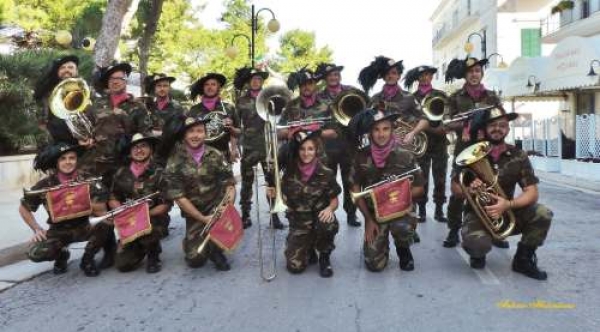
[557, 21]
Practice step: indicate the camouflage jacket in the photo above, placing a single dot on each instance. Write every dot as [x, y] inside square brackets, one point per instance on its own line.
[514, 168]
[203, 185]
[312, 196]
[402, 103]
[98, 194]
[126, 186]
[433, 140]
[328, 98]
[295, 111]
[158, 118]
[344, 140]
[110, 125]
[253, 134]
[223, 107]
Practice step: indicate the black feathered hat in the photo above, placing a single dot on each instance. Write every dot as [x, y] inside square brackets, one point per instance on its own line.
[244, 75]
[151, 80]
[197, 89]
[300, 77]
[362, 123]
[457, 69]
[323, 69]
[47, 82]
[107, 71]
[497, 113]
[47, 158]
[413, 75]
[174, 129]
[377, 69]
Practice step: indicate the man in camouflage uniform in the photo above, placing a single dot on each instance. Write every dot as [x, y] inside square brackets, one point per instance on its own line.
[340, 150]
[383, 158]
[532, 219]
[141, 177]
[253, 139]
[198, 178]
[161, 106]
[472, 95]
[436, 155]
[209, 88]
[52, 244]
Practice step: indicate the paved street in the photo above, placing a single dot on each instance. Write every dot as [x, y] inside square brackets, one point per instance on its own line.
[442, 294]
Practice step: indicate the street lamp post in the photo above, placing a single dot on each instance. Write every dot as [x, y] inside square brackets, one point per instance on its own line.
[535, 84]
[232, 51]
[501, 64]
[272, 25]
[469, 46]
[592, 72]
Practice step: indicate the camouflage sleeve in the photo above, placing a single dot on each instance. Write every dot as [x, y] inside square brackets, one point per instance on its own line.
[98, 192]
[114, 192]
[452, 106]
[160, 187]
[354, 176]
[142, 123]
[233, 113]
[415, 108]
[527, 175]
[418, 179]
[33, 202]
[333, 187]
[173, 181]
[224, 171]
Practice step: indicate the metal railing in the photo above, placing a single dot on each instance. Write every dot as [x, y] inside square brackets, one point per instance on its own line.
[555, 22]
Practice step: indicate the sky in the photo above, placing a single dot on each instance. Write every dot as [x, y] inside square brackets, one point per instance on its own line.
[356, 31]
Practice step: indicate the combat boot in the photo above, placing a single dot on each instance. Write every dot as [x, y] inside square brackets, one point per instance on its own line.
[275, 222]
[525, 262]
[312, 256]
[452, 239]
[502, 244]
[110, 250]
[220, 260]
[439, 213]
[352, 222]
[422, 213]
[153, 264]
[407, 263]
[88, 265]
[61, 262]
[477, 262]
[325, 269]
[246, 221]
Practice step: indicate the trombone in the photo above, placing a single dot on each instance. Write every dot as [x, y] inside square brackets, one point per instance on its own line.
[468, 115]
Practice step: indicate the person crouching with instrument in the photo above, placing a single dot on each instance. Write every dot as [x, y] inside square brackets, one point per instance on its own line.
[310, 190]
[198, 177]
[530, 218]
[384, 158]
[141, 177]
[69, 196]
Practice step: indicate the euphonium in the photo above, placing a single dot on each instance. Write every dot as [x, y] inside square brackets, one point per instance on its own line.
[419, 143]
[347, 104]
[68, 101]
[473, 160]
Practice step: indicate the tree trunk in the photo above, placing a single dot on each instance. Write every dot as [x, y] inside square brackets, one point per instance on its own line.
[108, 39]
[147, 37]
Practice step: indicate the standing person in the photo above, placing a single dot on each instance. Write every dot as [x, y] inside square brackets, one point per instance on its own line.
[310, 190]
[436, 155]
[142, 176]
[60, 161]
[532, 219]
[162, 106]
[209, 88]
[472, 95]
[340, 150]
[380, 160]
[253, 138]
[198, 177]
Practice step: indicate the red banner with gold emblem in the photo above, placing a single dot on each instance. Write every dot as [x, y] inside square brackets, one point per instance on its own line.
[227, 232]
[392, 200]
[133, 222]
[69, 202]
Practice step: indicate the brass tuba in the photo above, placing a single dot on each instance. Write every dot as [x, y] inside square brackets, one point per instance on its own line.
[473, 160]
[347, 104]
[419, 143]
[434, 106]
[68, 101]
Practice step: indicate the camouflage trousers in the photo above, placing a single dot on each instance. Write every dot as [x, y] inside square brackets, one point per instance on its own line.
[344, 158]
[249, 160]
[455, 205]
[378, 252]
[307, 233]
[129, 256]
[437, 161]
[532, 222]
[61, 235]
[191, 243]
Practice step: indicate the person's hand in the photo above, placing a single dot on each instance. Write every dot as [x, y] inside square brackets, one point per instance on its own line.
[292, 131]
[271, 192]
[326, 215]
[227, 123]
[497, 209]
[39, 235]
[234, 154]
[371, 231]
[408, 138]
[86, 143]
[475, 185]
[312, 127]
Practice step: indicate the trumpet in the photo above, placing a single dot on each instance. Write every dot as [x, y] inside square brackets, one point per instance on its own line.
[215, 217]
[122, 208]
[42, 191]
[308, 122]
[393, 178]
[466, 116]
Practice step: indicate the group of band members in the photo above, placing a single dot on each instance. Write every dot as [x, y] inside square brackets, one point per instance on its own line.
[142, 146]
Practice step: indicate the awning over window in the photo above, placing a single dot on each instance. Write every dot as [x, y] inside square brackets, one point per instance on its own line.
[524, 71]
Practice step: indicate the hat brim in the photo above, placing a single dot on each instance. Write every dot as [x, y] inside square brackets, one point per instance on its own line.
[197, 89]
[480, 63]
[150, 139]
[263, 74]
[124, 67]
[150, 87]
[336, 68]
[509, 116]
[431, 70]
[389, 117]
[68, 58]
[196, 121]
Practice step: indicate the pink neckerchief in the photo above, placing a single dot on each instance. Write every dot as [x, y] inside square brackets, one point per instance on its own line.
[309, 101]
[138, 168]
[196, 153]
[64, 178]
[390, 91]
[118, 99]
[497, 150]
[424, 89]
[254, 93]
[475, 91]
[307, 170]
[334, 90]
[210, 102]
[380, 153]
[162, 102]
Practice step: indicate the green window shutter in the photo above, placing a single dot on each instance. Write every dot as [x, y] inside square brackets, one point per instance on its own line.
[531, 43]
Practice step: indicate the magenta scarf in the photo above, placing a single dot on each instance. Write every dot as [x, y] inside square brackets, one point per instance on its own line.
[64, 178]
[210, 102]
[309, 101]
[307, 170]
[475, 91]
[390, 91]
[254, 93]
[119, 98]
[380, 153]
[424, 89]
[497, 151]
[196, 153]
[334, 90]
[162, 102]
[138, 168]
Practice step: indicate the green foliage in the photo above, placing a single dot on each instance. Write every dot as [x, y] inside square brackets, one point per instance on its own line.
[298, 49]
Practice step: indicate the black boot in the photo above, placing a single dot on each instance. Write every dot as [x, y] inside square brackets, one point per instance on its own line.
[88, 265]
[416, 237]
[153, 262]
[312, 257]
[325, 269]
[61, 262]
[439, 213]
[477, 262]
[452, 239]
[246, 221]
[220, 260]
[422, 213]
[275, 222]
[110, 250]
[525, 262]
[352, 220]
[502, 244]
[407, 263]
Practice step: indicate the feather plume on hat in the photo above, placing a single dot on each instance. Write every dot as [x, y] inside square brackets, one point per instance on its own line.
[242, 75]
[300, 77]
[377, 69]
[411, 77]
[456, 70]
